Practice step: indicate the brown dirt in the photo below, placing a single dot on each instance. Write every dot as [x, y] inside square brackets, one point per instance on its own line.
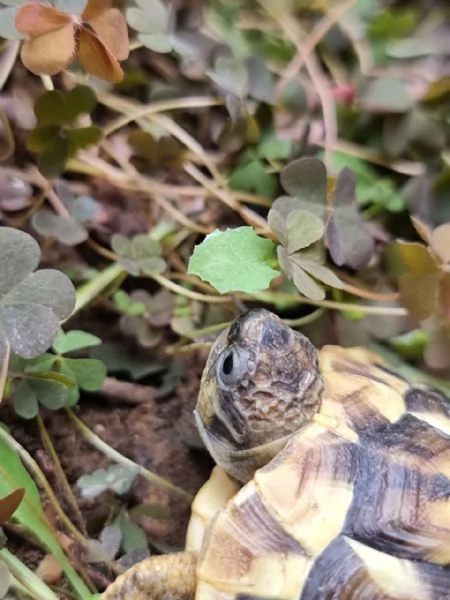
[157, 435]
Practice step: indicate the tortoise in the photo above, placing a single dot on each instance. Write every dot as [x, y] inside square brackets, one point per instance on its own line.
[332, 478]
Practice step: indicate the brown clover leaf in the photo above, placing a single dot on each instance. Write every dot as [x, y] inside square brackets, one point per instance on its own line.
[98, 37]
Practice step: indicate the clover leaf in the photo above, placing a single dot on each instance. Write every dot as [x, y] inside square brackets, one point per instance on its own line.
[55, 138]
[69, 230]
[139, 254]
[349, 242]
[31, 303]
[151, 19]
[345, 234]
[301, 255]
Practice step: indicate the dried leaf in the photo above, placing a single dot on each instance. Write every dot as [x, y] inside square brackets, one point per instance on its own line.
[97, 59]
[34, 19]
[9, 504]
[416, 259]
[111, 27]
[420, 294]
[51, 53]
[440, 242]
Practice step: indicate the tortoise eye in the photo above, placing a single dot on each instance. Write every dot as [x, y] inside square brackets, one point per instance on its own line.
[228, 368]
[227, 364]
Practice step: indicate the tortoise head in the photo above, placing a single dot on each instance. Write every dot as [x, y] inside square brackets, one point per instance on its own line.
[261, 383]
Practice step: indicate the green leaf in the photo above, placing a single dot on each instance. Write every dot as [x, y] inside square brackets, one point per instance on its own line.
[52, 161]
[349, 241]
[371, 189]
[25, 401]
[64, 229]
[31, 304]
[133, 537]
[41, 137]
[230, 75]
[30, 513]
[80, 100]
[158, 42]
[50, 393]
[51, 109]
[234, 260]
[386, 94]
[43, 363]
[74, 339]
[117, 360]
[141, 253]
[116, 478]
[306, 179]
[253, 177]
[83, 137]
[303, 282]
[272, 148]
[89, 373]
[156, 16]
[303, 228]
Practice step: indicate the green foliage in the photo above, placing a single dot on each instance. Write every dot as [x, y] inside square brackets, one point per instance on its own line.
[30, 513]
[151, 313]
[151, 19]
[55, 380]
[253, 177]
[345, 233]
[31, 303]
[116, 478]
[372, 190]
[151, 153]
[69, 230]
[300, 255]
[118, 360]
[234, 260]
[141, 254]
[55, 138]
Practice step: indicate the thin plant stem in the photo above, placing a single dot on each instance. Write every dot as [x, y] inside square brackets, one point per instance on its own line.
[248, 215]
[273, 297]
[116, 457]
[39, 476]
[50, 448]
[332, 16]
[289, 25]
[178, 289]
[134, 112]
[158, 198]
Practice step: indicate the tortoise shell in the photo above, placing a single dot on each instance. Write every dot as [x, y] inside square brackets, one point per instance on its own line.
[357, 502]
[343, 469]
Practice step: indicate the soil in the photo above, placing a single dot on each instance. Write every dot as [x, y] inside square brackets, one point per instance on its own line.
[158, 434]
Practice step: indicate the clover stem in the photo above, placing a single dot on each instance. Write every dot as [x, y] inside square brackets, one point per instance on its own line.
[50, 448]
[116, 457]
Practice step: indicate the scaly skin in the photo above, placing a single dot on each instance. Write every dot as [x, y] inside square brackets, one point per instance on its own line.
[167, 577]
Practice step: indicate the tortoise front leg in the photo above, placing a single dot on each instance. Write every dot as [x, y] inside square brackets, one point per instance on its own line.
[210, 499]
[166, 577]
